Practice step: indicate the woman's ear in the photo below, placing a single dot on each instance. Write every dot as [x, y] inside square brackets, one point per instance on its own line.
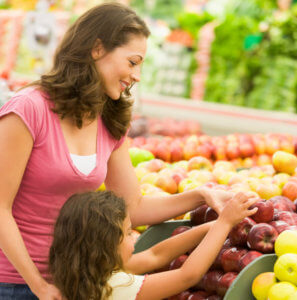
[98, 50]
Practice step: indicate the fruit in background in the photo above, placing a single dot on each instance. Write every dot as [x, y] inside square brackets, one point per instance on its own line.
[267, 191]
[232, 150]
[263, 159]
[279, 225]
[239, 233]
[149, 178]
[176, 152]
[283, 203]
[180, 229]
[246, 149]
[167, 184]
[181, 296]
[211, 279]
[199, 162]
[140, 172]
[178, 174]
[210, 215]
[155, 165]
[271, 145]
[190, 149]
[261, 285]
[290, 190]
[225, 282]
[284, 162]
[230, 259]
[262, 237]
[138, 155]
[287, 216]
[281, 179]
[202, 176]
[197, 215]
[219, 152]
[287, 146]
[180, 164]
[162, 151]
[264, 213]
[217, 264]
[187, 184]
[248, 258]
[281, 291]
[222, 176]
[285, 268]
[204, 150]
[286, 242]
[293, 296]
[178, 262]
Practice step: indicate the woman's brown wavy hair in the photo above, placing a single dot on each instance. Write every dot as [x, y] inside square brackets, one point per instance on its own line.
[73, 83]
[84, 252]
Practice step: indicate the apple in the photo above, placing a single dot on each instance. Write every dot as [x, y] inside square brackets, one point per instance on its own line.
[178, 262]
[187, 184]
[285, 268]
[232, 150]
[225, 282]
[190, 149]
[248, 258]
[268, 190]
[286, 242]
[202, 176]
[199, 295]
[199, 162]
[214, 297]
[204, 150]
[138, 155]
[238, 234]
[264, 159]
[230, 259]
[281, 179]
[211, 279]
[180, 229]
[283, 203]
[155, 165]
[225, 165]
[287, 216]
[197, 215]
[264, 213]
[219, 152]
[217, 264]
[210, 215]
[167, 184]
[293, 296]
[246, 149]
[284, 162]
[262, 237]
[281, 291]
[279, 225]
[178, 174]
[290, 190]
[149, 178]
[176, 152]
[261, 285]
[181, 296]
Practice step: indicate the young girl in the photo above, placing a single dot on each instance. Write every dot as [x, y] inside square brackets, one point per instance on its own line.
[91, 255]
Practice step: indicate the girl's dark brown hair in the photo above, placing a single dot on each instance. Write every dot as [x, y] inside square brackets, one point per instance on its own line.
[74, 84]
[84, 252]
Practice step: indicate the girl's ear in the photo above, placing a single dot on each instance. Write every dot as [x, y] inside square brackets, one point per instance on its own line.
[98, 50]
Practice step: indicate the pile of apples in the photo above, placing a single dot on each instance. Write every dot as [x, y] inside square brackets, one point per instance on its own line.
[282, 283]
[245, 150]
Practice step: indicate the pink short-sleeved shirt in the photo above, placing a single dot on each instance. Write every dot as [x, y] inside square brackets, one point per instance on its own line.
[50, 177]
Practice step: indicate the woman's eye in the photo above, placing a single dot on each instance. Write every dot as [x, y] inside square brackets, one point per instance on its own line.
[133, 63]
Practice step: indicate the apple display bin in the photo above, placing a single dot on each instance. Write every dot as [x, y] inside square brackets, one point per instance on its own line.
[241, 286]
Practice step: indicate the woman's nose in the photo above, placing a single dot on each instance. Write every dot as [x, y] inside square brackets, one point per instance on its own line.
[136, 75]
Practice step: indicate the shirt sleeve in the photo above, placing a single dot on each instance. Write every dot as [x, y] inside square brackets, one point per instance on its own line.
[26, 110]
[125, 286]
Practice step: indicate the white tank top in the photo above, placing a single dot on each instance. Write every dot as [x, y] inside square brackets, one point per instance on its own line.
[84, 163]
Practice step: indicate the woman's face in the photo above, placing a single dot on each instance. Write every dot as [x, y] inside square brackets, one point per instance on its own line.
[121, 67]
[126, 247]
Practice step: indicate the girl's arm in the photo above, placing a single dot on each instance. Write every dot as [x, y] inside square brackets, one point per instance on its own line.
[15, 148]
[165, 284]
[146, 210]
[163, 253]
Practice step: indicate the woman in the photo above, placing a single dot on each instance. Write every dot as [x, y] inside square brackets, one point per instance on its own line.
[66, 134]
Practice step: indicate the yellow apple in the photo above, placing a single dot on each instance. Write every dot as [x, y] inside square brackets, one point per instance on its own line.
[285, 268]
[199, 162]
[267, 191]
[202, 176]
[149, 178]
[225, 165]
[281, 291]
[188, 184]
[284, 162]
[293, 296]
[286, 242]
[261, 285]
[281, 179]
[140, 172]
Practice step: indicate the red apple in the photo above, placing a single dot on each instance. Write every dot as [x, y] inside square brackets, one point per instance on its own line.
[210, 215]
[217, 264]
[279, 225]
[163, 151]
[230, 259]
[282, 203]
[248, 258]
[264, 213]
[246, 149]
[238, 234]
[155, 165]
[262, 237]
[166, 183]
[286, 216]
[181, 296]
[198, 215]
[290, 190]
[199, 295]
[232, 150]
[180, 229]
[225, 282]
[178, 262]
[211, 279]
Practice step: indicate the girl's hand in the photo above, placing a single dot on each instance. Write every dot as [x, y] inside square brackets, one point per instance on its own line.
[216, 199]
[49, 292]
[238, 208]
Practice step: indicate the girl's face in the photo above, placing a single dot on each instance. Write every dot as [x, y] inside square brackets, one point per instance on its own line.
[121, 67]
[126, 247]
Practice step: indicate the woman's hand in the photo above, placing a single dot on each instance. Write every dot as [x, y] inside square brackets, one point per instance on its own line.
[49, 292]
[216, 199]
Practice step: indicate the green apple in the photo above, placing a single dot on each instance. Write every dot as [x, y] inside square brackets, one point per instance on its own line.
[285, 268]
[293, 296]
[138, 155]
[281, 291]
[286, 242]
[261, 285]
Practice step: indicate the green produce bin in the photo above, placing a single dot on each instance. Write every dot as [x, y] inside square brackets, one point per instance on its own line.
[240, 288]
